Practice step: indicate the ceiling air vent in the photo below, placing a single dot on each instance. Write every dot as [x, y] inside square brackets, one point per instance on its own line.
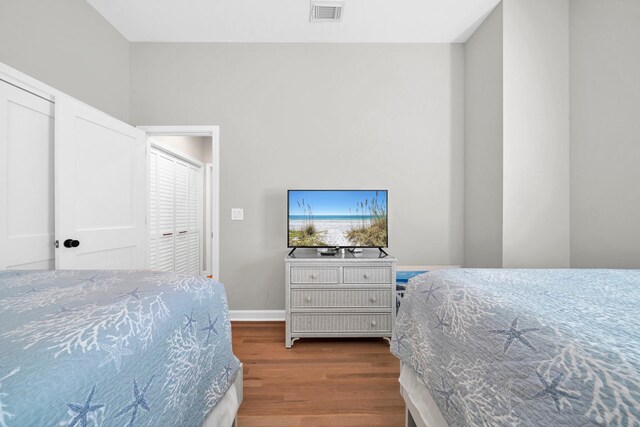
[326, 11]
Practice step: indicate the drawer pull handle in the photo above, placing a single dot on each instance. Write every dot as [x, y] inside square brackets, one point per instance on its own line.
[313, 276]
[373, 323]
[373, 299]
[365, 275]
[308, 299]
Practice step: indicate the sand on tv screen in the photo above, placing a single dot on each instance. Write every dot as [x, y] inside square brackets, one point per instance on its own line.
[338, 218]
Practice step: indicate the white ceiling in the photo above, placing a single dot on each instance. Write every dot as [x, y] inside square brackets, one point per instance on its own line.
[364, 21]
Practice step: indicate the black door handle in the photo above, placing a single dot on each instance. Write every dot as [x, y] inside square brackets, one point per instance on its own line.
[70, 243]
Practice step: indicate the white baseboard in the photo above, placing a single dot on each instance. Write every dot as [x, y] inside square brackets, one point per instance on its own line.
[256, 315]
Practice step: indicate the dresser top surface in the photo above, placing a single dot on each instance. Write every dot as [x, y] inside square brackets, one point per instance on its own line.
[314, 256]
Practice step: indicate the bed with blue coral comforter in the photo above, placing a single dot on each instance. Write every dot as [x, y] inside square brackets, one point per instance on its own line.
[107, 348]
[525, 347]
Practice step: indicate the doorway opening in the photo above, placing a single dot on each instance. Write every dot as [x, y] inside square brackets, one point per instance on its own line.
[183, 205]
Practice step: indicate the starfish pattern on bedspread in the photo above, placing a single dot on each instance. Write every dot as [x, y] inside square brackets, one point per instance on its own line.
[514, 334]
[211, 327]
[551, 389]
[134, 293]
[63, 310]
[431, 292]
[190, 321]
[442, 323]
[82, 411]
[399, 340]
[447, 396]
[226, 372]
[116, 352]
[139, 401]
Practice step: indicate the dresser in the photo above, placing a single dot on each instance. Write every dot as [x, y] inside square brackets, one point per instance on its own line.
[347, 295]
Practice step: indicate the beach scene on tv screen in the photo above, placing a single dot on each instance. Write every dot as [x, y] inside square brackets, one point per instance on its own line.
[338, 218]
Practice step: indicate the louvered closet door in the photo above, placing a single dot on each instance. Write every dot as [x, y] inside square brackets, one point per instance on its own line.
[182, 219]
[161, 211]
[166, 204]
[195, 218]
[175, 205]
[153, 210]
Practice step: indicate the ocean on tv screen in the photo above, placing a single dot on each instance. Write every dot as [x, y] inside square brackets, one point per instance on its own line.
[330, 218]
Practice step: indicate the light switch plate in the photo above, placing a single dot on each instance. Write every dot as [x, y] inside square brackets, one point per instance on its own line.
[237, 214]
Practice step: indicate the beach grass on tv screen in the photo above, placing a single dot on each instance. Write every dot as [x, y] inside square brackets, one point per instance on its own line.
[363, 223]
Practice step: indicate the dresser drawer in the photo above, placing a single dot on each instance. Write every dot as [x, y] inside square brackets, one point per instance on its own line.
[367, 275]
[340, 323]
[353, 298]
[314, 274]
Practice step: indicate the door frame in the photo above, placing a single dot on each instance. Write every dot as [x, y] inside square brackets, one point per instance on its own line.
[214, 196]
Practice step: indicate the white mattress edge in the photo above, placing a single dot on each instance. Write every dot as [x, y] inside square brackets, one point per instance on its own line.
[420, 398]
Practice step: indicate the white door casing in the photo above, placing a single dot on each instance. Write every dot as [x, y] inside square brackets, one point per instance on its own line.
[208, 225]
[100, 186]
[26, 184]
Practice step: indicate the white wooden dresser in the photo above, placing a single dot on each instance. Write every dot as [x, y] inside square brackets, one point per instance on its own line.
[347, 295]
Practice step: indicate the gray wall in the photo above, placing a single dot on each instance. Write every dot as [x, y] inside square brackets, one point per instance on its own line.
[605, 133]
[69, 46]
[198, 147]
[536, 133]
[316, 116]
[483, 144]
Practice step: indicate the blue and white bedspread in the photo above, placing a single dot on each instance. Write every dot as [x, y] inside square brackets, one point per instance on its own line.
[106, 348]
[526, 347]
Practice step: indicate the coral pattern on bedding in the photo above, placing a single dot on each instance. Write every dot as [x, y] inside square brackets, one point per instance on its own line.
[525, 347]
[112, 348]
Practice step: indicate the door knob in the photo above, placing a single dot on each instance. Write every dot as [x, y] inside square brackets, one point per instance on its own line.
[70, 243]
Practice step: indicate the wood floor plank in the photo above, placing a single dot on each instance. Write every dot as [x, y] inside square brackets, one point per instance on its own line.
[318, 382]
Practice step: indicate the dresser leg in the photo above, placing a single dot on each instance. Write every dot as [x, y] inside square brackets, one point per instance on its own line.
[287, 339]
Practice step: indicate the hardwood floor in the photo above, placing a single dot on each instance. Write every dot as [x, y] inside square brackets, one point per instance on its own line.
[318, 382]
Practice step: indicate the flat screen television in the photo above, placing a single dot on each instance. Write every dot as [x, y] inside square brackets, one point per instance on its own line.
[337, 219]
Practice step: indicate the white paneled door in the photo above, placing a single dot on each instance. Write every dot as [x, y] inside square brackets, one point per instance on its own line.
[100, 181]
[26, 184]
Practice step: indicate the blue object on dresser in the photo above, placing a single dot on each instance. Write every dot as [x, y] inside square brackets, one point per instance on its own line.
[402, 278]
[109, 348]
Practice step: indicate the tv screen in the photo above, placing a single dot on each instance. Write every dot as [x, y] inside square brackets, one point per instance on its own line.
[337, 218]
